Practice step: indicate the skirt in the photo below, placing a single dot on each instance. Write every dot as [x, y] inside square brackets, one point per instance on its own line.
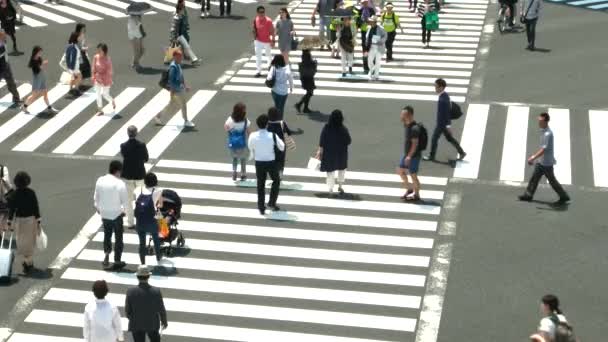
[39, 82]
[27, 231]
[241, 153]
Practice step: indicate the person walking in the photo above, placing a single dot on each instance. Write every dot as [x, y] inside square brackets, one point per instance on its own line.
[307, 69]
[102, 77]
[205, 8]
[24, 216]
[544, 166]
[347, 46]
[227, 4]
[552, 317]
[110, 200]
[279, 127]
[102, 322]
[84, 62]
[531, 15]
[147, 204]
[323, 9]
[264, 146]
[72, 63]
[444, 122]
[333, 150]
[5, 188]
[5, 71]
[177, 91]
[263, 38]
[38, 66]
[283, 83]
[136, 35]
[335, 24]
[390, 24]
[180, 32]
[423, 8]
[410, 161]
[285, 31]
[8, 19]
[238, 128]
[376, 40]
[365, 12]
[134, 157]
[145, 308]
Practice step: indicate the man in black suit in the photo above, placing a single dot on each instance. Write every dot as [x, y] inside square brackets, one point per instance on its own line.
[145, 309]
[444, 120]
[135, 155]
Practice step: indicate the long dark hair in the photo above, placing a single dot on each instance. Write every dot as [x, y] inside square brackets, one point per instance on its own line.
[284, 9]
[35, 63]
[552, 302]
[80, 27]
[278, 61]
[73, 38]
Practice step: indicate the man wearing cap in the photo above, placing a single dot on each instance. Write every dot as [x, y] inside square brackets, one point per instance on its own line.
[375, 40]
[135, 155]
[365, 12]
[177, 89]
[145, 309]
[390, 23]
[5, 70]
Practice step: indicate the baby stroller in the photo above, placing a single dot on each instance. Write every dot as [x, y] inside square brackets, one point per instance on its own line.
[167, 227]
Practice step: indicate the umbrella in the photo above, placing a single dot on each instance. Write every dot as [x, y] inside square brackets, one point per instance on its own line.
[341, 13]
[138, 8]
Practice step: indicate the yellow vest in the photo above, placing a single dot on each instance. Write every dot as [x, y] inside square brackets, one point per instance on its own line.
[390, 22]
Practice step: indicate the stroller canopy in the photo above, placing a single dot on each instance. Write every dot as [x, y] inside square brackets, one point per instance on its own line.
[172, 200]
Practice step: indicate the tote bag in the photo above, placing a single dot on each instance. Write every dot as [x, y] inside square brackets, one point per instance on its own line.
[432, 20]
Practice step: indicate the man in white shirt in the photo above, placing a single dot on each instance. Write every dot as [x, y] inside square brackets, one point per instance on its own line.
[110, 200]
[262, 146]
[101, 319]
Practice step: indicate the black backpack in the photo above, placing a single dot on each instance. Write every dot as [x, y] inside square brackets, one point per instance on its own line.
[563, 331]
[423, 137]
[455, 111]
[164, 79]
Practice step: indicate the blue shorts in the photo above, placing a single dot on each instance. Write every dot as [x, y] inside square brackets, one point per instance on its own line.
[412, 167]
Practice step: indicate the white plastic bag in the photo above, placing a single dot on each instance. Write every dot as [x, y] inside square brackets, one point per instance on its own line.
[65, 78]
[41, 241]
[314, 164]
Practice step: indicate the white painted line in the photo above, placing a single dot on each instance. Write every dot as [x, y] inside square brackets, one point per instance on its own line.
[299, 172]
[598, 121]
[321, 219]
[20, 337]
[71, 319]
[6, 101]
[173, 128]
[251, 311]
[21, 119]
[100, 9]
[251, 289]
[426, 55]
[472, 141]
[45, 14]
[32, 22]
[112, 147]
[302, 186]
[52, 126]
[411, 33]
[560, 125]
[293, 252]
[161, 6]
[304, 24]
[273, 270]
[455, 14]
[410, 50]
[189, 4]
[115, 3]
[513, 163]
[68, 10]
[97, 122]
[401, 63]
[69, 252]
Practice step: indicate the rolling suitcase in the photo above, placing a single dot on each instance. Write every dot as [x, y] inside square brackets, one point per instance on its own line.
[6, 259]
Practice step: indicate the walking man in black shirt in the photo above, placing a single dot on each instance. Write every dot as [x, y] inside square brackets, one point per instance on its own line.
[5, 70]
[135, 155]
[410, 161]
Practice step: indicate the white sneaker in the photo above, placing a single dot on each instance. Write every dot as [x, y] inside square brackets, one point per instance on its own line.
[188, 123]
[157, 121]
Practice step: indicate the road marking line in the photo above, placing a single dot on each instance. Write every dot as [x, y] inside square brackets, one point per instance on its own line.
[94, 7]
[401, 63]
[6, 101]
[472, 140]
[560, 125]
[69, 10]
[45, 14]
[32, 22]
[309, 31]
[19, 337]
[411, 50]
[598, 120]
[512, 165]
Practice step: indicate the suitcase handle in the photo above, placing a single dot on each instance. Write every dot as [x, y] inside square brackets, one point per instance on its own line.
[10, 240]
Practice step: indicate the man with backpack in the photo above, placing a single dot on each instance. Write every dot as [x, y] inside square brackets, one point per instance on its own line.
[416, 138]
[173, 80]
[446, 111]
[390, 23]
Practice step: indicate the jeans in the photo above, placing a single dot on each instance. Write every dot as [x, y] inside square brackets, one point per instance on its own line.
[448, 136]
[390, 39]
[262, 169]
[138, 50]
[547, 171]
[531, 31]
[142, 232]
[187, 48]
[140, 336]
[324, 27]
[279, 102]
[177, 102]
[259, 46]
[109, 227]
[7, 75]
[426, 34]
[228, 6]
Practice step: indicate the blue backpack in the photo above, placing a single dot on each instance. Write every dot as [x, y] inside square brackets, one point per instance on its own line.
[237, 139]
[145, 210]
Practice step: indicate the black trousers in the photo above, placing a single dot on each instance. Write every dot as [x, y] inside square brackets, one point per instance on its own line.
[263, 169]
[531, 31]
[390, 39]
[228, 6]
[140, 336]
[448, 136]
[426, 34]
[306, 98]
[205, 5]
[365, 50]
[109, 227]
[547, 171]
[7, 75]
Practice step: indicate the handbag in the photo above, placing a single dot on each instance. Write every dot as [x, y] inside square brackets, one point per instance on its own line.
[62, 63]
[65, 78]
[290, 143]
[270, 82]
[294, 42]
[522, 18]
[432, 20]
[314, 164]
[41, 240]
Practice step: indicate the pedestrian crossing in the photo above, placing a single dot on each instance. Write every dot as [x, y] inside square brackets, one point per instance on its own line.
[410, 76]
[323, 269]
[40, 13]
[597, 5]
[75, 129]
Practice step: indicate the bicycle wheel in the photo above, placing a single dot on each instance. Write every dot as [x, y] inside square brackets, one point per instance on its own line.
[502, 21]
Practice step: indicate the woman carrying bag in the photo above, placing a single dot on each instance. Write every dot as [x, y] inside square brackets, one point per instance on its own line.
[285, 30]
[333, 150]
[238, 128]
[85, 64]
[429, 21]
[280, 80]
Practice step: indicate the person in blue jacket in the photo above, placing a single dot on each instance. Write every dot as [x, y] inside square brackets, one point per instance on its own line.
[177, 90]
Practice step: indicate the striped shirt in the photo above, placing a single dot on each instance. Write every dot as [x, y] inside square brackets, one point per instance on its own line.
[423, 8]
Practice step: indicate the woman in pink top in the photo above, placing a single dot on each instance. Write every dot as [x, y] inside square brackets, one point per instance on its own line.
[102, 77]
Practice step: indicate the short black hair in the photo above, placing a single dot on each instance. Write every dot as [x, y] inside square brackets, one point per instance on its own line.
[79, 27]
[100, 289]
[273, 114]
[262, 121]
[115, 166]
[22, 180]
[440, 82]
[336, 118]
[103, 47]
[409, 109]
[132, 131]
[545, 116]
[150, 180]
[260, 8]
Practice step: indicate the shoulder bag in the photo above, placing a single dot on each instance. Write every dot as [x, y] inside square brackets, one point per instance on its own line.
[270, 82]
[522, 18]
[290, 143]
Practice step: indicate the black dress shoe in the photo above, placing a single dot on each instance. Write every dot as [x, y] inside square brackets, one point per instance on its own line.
[561, 201]
[118, 265]
[106, 261]
[525, 198]
[298, 107]
[274, 207]
[262, 211]
[462, 155]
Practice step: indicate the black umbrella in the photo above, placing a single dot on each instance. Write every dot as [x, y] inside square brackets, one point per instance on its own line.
[138, 8]
[341, 13]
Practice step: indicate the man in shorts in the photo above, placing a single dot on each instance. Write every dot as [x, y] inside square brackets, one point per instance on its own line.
[409, 163]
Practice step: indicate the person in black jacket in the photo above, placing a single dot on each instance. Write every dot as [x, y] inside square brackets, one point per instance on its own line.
[307, 69]
[8, 19]
[145, 308]
[280, 128]
[333, 150]
[5, 70]
[135, 155]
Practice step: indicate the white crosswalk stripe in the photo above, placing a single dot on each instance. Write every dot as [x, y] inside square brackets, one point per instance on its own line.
[452, 57]
[306, 278]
